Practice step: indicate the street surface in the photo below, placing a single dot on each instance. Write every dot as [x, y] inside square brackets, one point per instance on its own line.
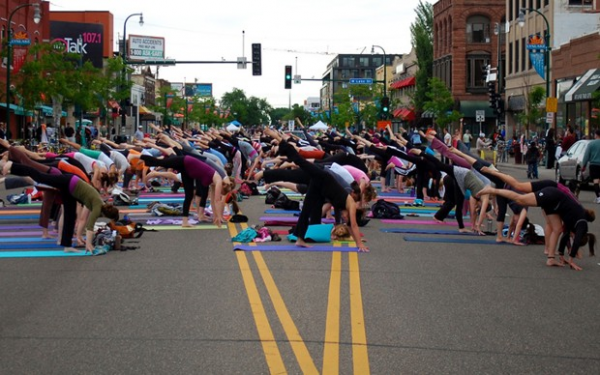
[186, 303]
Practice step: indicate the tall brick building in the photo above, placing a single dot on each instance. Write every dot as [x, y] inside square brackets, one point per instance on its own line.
[464, 43]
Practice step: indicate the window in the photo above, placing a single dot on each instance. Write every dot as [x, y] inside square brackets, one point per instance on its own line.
[517, 54]
[476, 65]
[363, 62]
[377, 61]
[478, 29]
[368, 74]
[510, 58]
[581, 2]
[524, 54]
[348, 62]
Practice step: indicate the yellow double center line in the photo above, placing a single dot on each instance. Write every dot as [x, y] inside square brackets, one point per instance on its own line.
[332, 330]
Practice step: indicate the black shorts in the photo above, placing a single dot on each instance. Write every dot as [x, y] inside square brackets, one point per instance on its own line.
[549, 199]
[594, 172]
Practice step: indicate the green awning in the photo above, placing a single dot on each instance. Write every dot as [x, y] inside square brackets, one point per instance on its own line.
[48, 111]
[18, 110]
[584, 88]
[469, 107]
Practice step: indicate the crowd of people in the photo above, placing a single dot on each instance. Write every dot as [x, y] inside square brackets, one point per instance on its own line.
[335, 171]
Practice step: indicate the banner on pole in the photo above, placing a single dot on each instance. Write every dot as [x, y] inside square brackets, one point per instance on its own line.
[537, 54]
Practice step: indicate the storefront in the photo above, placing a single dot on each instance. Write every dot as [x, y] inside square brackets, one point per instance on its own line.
[577, 104]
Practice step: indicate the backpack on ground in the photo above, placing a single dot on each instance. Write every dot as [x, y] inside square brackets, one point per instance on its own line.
[272, 194]
[383, 209]
[249, 188]
[122, 199]
[284, 202]
[129, 229]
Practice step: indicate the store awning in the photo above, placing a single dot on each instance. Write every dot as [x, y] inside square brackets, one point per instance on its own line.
[469, 107]
[18, 110]
[516, 103]
[410, 81]
[144, 111]
[584, 88]
[47, 111]
[404, 114]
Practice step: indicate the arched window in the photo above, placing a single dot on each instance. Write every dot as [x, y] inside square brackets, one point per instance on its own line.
[478, 29]
[476, 66]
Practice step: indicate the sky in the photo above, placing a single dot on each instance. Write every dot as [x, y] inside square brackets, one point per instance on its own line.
[305, 34]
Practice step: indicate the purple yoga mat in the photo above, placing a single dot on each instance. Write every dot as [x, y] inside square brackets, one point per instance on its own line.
[418, 222]
[288, 219]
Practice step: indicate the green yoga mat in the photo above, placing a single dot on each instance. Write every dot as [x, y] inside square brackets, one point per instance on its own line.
[179, 227]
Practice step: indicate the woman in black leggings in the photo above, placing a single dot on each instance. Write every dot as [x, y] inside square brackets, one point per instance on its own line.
[72, 190]
[553, 201]
[322, 186]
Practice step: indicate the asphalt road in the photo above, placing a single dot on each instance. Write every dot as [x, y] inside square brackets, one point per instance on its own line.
[185, 303]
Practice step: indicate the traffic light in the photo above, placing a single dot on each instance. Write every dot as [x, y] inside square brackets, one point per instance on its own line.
[492, 94]
[385, 106]
[256, 59]
[288, 76]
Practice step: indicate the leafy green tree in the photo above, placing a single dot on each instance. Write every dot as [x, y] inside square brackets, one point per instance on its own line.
[530, 118]
[279, 114]
[440, 103]
[422, 41]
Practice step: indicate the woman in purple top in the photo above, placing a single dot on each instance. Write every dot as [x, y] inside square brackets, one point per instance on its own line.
[192, 169]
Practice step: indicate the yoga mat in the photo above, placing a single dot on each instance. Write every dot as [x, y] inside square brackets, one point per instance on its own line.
[16, 246]
[491, 241]
[288, 219]
[418, 222]
[19, 227]
[41, 254]
[317, 248]
[19, 217]
[178, 227]
[424, 231]
[279, 211]
[21, 233]
[26, 239]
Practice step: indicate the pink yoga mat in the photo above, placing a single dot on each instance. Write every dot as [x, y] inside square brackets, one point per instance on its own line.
[418, 222]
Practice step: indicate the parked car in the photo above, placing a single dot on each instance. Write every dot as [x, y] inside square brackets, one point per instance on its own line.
[569, 166]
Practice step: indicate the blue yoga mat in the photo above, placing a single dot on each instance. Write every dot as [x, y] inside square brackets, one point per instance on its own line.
[37, 245]
[454, 240]
[19, 227]
[41, 254]
[425, 231]
[31, 239]
[19, 217]
[317, 248]
[278, 211]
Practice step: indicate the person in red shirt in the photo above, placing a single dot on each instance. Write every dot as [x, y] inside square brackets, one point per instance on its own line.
[568, 140]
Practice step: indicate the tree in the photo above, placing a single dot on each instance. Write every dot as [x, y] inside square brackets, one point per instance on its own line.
[533, 110]
[440, 103]
[422, 42]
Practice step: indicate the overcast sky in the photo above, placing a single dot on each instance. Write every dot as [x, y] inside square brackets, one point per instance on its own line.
[305, 34]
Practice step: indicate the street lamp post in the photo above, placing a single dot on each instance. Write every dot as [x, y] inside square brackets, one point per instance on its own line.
[37, 17]
[124, 55]
[521, 21]
[384, 68]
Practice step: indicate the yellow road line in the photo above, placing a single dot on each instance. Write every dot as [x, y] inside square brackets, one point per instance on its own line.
[360, 354]
[305, 361]
[265, 333]
[331, 350]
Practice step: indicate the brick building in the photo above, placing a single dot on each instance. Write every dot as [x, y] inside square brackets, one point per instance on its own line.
[466, 38]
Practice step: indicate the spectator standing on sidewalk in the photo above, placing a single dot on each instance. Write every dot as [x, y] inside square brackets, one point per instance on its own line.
[467, 138]
[532, 158]
[550, 149]
[568, 140]
[592, 155]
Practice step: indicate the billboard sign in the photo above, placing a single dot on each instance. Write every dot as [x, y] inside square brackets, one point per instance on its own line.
[198, 89]
[145, 47]
[90, 45]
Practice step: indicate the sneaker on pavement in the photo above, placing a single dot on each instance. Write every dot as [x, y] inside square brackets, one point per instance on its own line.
[597, 200]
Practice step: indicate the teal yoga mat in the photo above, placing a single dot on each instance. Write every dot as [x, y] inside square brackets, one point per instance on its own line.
[315, 248]
[41, 254]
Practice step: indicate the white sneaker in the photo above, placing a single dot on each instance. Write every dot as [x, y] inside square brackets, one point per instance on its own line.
[597, 200]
